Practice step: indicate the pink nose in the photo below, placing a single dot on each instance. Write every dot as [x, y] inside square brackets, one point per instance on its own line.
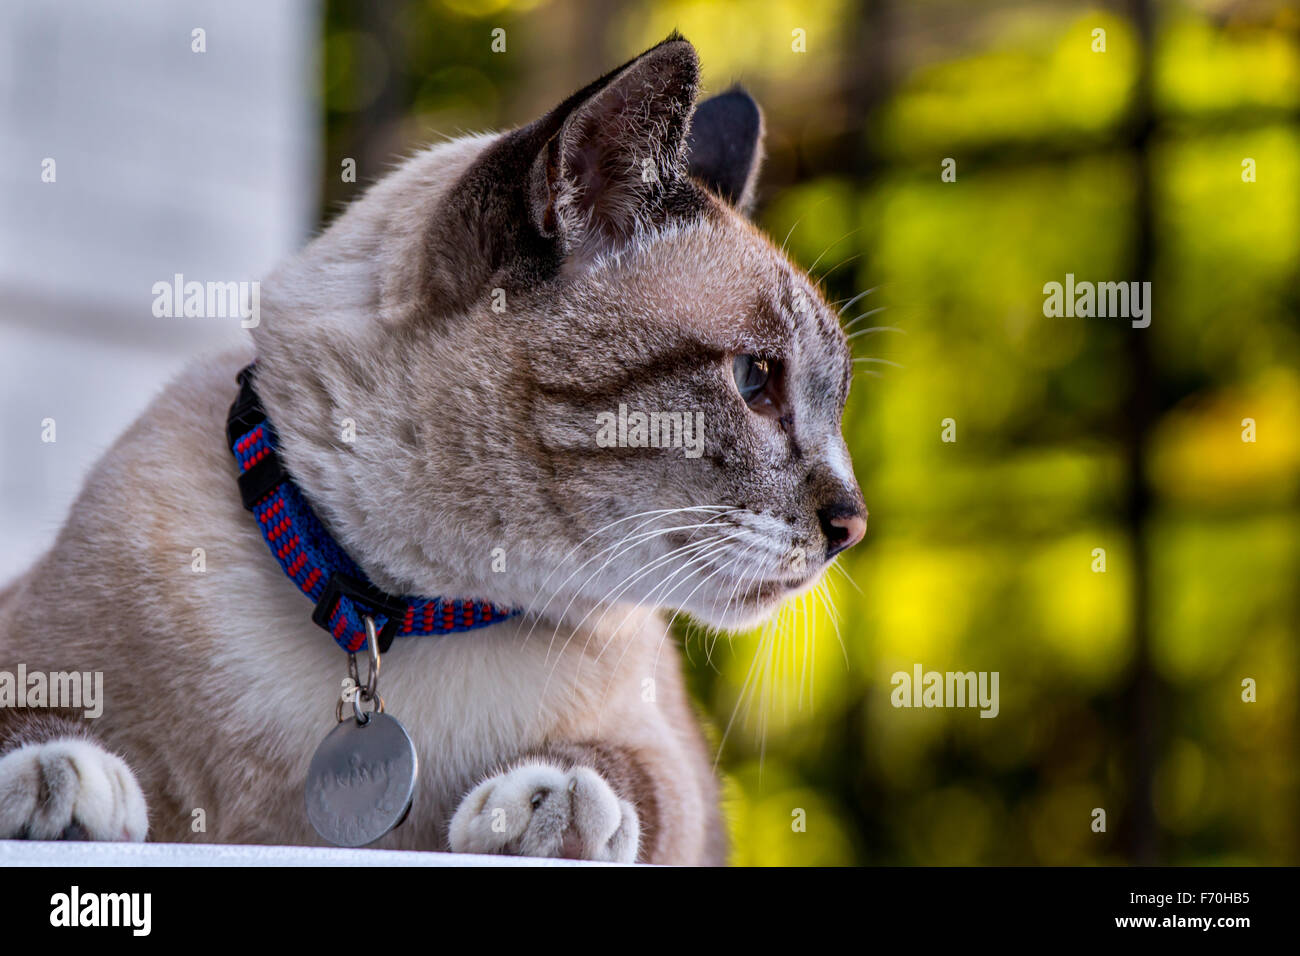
[843, 529]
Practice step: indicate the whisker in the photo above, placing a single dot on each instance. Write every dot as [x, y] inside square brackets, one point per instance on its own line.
[879, 328]
[657, 513]
[809, 638]
[836, 566]
[749, 676]
[817, 206]
[720, 545]
[634, 537]
[830, 247]
[835, 622]
[841, 263]
[864, 315]
[668, 627]
[850, 302]
[611, 595]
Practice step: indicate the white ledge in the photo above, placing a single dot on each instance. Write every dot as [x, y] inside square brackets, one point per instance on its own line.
[37, 853]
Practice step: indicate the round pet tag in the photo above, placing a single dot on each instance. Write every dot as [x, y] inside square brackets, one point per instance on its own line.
[361, 780]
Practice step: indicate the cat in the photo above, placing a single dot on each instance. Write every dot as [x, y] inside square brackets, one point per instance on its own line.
[471, 317]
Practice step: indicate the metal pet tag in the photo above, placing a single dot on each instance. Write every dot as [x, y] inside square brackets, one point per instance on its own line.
[361, 780]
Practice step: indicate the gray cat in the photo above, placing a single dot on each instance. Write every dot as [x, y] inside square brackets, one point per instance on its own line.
[477, 318]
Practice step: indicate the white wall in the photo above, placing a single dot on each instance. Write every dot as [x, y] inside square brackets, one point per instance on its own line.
[167, 161]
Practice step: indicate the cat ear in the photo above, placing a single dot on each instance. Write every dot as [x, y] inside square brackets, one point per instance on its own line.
[622, 146]
[725, 148]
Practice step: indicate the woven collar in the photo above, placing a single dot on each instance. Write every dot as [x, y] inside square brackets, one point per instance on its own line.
[314, 561]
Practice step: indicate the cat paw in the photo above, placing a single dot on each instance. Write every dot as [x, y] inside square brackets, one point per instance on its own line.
[537, 809]
[69, 790]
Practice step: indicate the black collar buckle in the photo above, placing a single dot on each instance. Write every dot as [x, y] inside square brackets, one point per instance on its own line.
[367, 596]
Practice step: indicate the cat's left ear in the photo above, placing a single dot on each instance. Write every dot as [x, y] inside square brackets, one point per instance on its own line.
[621, 150]
[725, 148]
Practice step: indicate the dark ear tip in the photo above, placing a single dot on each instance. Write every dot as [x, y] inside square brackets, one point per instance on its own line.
[738, 94]
[680, 49]
[736, 103]
[735, 109]
[674, 44]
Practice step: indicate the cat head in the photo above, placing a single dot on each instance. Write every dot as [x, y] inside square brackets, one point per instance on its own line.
[573, 369]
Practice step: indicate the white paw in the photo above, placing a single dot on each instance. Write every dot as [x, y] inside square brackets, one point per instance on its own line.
[537, 809]
[69, 790]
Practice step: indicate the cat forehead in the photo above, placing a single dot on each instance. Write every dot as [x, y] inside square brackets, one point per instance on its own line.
[719, 279]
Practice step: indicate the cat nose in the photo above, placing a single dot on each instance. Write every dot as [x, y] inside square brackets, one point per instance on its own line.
[844, 526]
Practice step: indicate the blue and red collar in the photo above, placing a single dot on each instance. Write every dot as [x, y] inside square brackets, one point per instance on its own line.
[314, 561]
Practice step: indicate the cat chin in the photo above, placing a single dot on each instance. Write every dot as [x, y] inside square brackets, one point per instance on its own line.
[755, 607]
[738, 620]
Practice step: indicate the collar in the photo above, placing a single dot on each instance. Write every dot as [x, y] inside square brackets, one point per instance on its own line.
[314, 561]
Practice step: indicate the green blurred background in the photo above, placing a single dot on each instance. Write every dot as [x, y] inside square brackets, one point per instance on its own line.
[1119, 690]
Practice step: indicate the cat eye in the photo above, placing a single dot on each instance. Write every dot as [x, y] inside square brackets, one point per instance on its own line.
[759, 381]
[751, 374]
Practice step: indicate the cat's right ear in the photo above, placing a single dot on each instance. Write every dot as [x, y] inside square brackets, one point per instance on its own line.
[725, 148]
[619, 151]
